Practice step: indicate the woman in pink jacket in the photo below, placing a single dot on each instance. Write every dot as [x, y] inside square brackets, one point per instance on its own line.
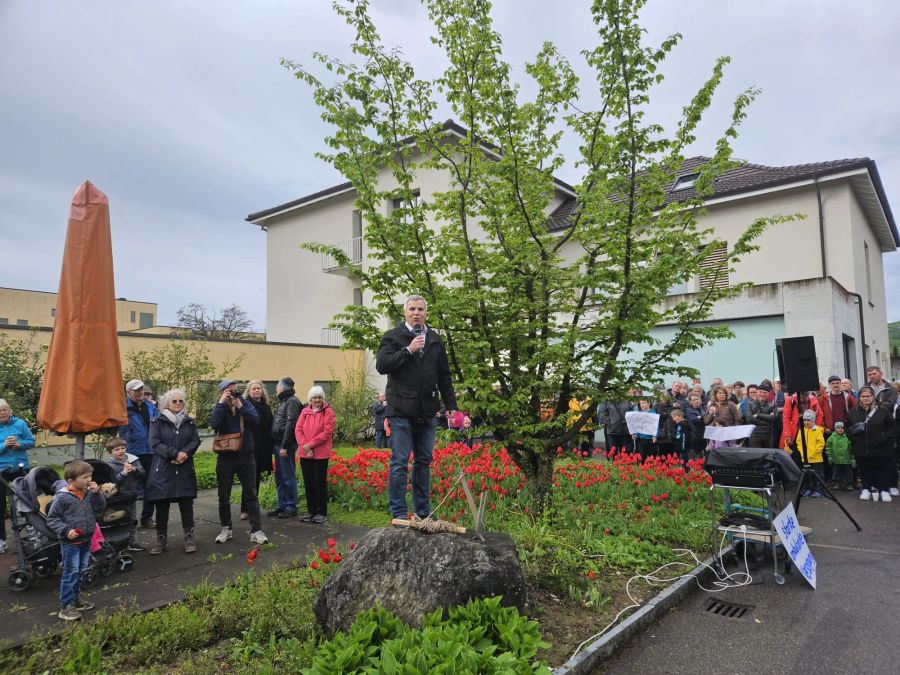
[314, 431]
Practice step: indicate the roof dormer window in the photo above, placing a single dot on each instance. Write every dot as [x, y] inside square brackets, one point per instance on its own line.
[685, 182]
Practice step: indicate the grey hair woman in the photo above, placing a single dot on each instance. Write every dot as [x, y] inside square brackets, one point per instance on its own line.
[173, 440]
[315, 431]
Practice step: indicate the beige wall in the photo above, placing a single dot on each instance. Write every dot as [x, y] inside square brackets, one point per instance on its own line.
[36, 307]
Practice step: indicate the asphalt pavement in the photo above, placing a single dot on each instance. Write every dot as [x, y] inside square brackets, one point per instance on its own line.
[158, 580]
[849, 623]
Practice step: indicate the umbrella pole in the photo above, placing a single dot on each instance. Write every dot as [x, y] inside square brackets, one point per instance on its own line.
[79, 446]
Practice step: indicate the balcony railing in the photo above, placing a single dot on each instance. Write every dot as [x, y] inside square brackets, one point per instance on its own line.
[353, 250]
[332, 337]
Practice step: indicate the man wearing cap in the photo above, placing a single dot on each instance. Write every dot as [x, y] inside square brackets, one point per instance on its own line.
[835, 404]
[283, 434]
[137, 433]
[413, 357]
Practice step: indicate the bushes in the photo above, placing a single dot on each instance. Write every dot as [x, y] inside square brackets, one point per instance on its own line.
[480, 637]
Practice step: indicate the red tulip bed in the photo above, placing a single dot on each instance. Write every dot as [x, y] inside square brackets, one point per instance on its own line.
[605, 514]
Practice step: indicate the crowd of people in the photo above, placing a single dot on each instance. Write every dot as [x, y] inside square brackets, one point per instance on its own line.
[848, 436]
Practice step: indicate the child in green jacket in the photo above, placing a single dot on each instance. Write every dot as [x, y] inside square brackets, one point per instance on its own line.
[837, 449]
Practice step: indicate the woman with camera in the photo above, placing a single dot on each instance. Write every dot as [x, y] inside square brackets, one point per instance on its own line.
[234, 417]
[173, 440]
[871, 431]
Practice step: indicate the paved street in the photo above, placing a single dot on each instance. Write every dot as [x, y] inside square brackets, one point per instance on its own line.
[158, 580]
[849, 624]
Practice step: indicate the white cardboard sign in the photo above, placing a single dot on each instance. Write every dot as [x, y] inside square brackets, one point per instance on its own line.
[646, 423]
[728, 433]
[795, 543]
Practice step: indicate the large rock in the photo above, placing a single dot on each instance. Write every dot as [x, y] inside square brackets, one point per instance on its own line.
[411, 574]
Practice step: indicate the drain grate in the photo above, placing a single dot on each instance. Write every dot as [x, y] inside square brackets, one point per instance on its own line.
[730, 610]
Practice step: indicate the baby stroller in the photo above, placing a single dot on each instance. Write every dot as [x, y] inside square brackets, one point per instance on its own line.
[115, 525]
[37, 546]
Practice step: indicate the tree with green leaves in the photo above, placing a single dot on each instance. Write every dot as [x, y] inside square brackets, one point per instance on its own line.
[21, 372]
[534, 315]
[185, 364]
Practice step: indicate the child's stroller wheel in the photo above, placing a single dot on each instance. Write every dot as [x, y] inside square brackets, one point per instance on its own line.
[19, 580]
[89, 577]
[126, 562]
[44, 569]
[108, 567]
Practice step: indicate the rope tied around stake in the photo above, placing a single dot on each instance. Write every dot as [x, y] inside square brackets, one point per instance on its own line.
[432, 525]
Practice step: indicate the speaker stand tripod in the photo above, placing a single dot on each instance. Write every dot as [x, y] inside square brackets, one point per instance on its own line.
[809, 480]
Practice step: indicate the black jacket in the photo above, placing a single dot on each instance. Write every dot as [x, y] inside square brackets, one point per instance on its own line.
[285, 420]
[612, 416]
[262, 436]
[762, 415]
[223, 422]
[413, 381]
[876, 437]
[167, 480]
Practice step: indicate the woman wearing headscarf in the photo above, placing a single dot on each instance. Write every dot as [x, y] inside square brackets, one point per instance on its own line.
[871, 431]
[255, 393]
[314, 431]
[173, 439]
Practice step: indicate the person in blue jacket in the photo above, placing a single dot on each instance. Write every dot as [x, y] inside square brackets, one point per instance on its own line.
[137, 434]
[15, 441]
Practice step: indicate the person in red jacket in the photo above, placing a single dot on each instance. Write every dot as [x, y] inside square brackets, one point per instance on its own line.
[315, 431]
[835, 404]
[790, 417]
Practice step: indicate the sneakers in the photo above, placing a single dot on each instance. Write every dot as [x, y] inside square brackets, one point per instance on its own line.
[288, 513]
[306, 517]
[81, 605]
[258, 538]
[865, 495]
[894, 492]
[875, 496]
[136, 546]
[274, 512]
[160, 545]
[148, 523]
[886, 497]
[190, 546]
[3, 547]
[318, 518]
[224, 535]
[69, 613]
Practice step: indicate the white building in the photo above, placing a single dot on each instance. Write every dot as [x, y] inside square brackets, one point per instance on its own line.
[819, 276]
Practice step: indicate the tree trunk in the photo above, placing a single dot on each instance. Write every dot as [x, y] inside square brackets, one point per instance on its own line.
[538, 470]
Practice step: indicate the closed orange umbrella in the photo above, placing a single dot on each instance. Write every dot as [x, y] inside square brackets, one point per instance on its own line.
[82, 389]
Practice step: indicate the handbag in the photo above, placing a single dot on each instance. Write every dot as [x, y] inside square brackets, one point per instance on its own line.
[229, 442]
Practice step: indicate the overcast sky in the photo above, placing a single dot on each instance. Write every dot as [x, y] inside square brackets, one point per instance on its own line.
[181, 113]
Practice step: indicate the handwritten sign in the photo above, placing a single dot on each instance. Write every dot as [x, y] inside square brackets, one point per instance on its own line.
[646, 423]
[728, 433]
[795, 543]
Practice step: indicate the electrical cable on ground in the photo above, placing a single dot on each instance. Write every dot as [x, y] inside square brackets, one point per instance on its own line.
[723, 582]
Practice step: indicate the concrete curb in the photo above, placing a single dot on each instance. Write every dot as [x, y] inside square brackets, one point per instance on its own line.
[588, 660]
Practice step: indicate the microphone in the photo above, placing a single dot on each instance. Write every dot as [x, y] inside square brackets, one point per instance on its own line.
[417, 332]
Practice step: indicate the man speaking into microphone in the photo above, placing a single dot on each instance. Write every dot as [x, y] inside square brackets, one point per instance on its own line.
[413, 357]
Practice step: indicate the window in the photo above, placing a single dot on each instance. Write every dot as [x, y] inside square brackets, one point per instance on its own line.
[679, 289]
[53, 311]
[400, 203]
[21, 322]
[868, 273]
[357, 297]
[146, 320]
[327, 386]
[685, 182]
[357, 224]
[714, 268]
[849, 357]
[133, 317]
[4, 321]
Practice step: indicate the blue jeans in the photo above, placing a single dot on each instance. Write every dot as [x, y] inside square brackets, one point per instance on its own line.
[380, 438]
[286, 481]
[409, 436]
[75, 559]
